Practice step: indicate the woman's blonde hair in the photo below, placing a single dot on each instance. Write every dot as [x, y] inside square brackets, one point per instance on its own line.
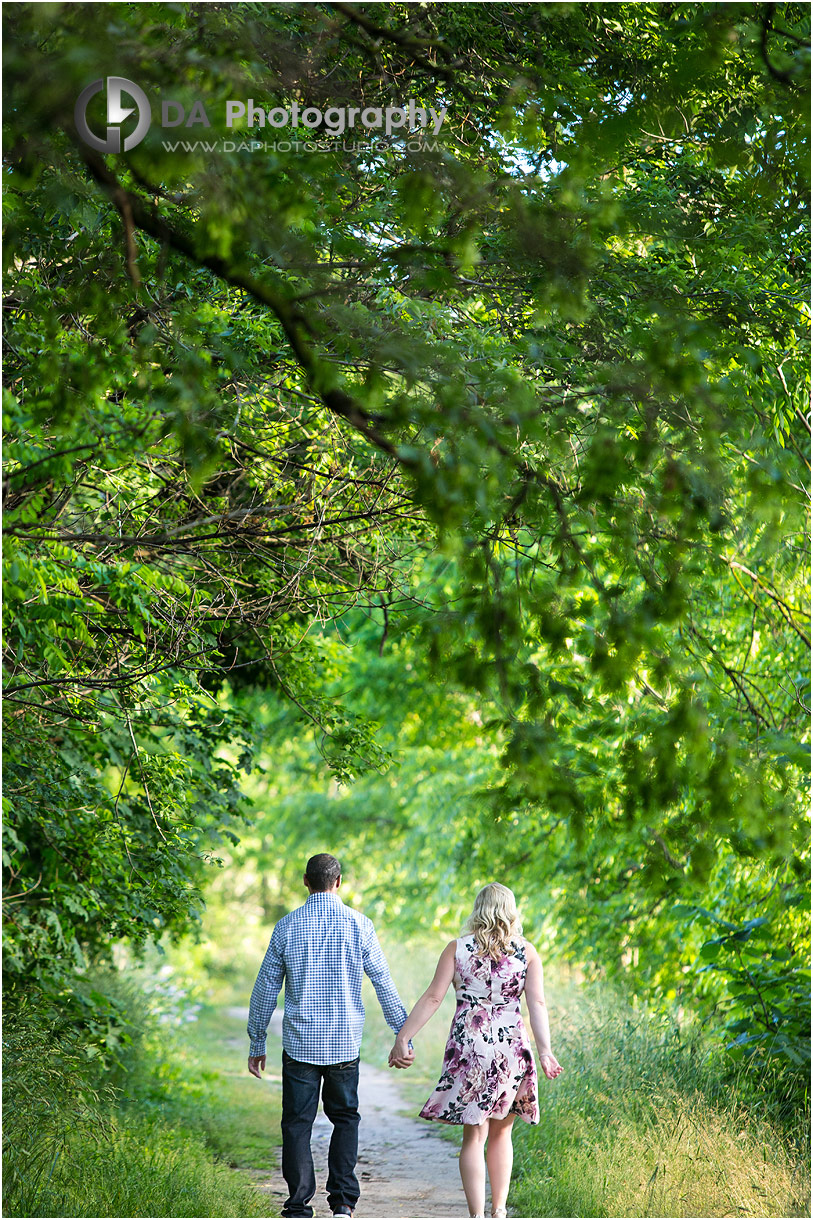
[494, 920]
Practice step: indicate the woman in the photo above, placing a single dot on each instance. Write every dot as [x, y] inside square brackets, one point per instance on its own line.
[489, 1076]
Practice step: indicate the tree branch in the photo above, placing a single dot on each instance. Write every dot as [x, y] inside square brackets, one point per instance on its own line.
[336, 399]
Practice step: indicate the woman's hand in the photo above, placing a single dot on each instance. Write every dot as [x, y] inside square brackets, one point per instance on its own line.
[550, 1065]
[401, 1055]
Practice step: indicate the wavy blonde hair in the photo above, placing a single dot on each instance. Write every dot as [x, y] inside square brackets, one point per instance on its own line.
[494, 920]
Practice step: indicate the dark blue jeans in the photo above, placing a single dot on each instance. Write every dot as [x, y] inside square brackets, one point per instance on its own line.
[339, 1083]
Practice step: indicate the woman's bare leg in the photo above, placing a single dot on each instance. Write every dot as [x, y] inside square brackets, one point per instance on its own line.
[472, 1167]
[500, 1159]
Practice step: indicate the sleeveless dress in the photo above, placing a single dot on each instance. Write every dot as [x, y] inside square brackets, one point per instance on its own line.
[488, 1068]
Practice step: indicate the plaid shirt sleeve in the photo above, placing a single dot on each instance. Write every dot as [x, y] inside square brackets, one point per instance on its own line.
[377, 970]
[264, 995]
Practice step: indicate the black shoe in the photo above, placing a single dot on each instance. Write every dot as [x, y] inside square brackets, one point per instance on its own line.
[343, 1211]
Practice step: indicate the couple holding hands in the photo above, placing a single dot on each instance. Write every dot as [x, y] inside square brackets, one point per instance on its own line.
[321, 952]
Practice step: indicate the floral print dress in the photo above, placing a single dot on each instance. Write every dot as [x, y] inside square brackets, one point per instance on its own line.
[488, 1068]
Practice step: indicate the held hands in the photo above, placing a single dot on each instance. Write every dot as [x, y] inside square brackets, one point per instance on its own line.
[550, 1065]
[256, 1065]
[401, 1055]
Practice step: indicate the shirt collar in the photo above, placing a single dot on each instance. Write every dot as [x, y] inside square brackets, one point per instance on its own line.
[323, 898]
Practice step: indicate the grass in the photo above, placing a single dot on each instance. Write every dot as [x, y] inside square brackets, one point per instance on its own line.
[160, 1135]
[646, 1121]
[130, 1165]
[240, 1115]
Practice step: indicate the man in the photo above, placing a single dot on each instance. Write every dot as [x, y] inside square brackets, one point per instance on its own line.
[321, 951]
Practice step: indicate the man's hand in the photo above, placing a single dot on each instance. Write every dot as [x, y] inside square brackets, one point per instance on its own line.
[401, 1055]
[256, 1065]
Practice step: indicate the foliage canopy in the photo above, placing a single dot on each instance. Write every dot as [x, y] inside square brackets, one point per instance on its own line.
[523, 404]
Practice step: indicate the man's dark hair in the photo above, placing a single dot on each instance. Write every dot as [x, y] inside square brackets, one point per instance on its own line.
[322, 871]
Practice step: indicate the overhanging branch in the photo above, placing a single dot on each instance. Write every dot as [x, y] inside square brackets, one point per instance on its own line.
[337, 400]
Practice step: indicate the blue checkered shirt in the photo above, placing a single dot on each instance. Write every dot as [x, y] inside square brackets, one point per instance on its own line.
[321, 951]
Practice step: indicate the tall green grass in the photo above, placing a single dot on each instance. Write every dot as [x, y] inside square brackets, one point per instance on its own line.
[155, 1130]
[649, 1120]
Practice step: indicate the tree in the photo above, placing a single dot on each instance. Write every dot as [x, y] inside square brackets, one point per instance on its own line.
[563, 342]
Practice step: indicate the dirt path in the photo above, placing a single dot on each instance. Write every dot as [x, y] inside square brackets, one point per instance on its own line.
[404, 1167]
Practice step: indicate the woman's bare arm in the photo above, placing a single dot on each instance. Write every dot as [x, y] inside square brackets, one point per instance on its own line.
[538, 1013]
[427, 1005]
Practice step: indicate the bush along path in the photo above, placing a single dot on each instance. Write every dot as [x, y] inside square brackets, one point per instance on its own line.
[132, 1118]
[404, 1168]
